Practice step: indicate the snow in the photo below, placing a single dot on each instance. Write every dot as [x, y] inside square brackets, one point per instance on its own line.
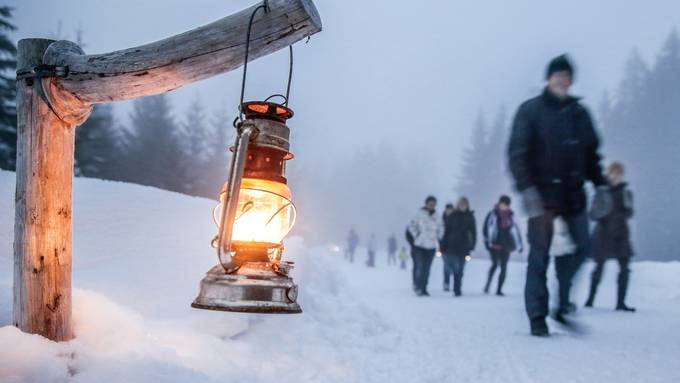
[140, 252]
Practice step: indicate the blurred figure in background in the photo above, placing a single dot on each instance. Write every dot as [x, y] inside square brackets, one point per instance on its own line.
[402, 258]
[392, 249]
[460, 237]
[371, 247]
[611, 237]
[352, 243]
[426, 229]
[501, 237]
[553, 151]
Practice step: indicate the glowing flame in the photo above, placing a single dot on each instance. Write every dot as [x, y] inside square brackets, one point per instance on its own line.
[468, 258]
[265, 212]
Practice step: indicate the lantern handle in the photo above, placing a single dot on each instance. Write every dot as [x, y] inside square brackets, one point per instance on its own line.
[230, 201]
[265, 7]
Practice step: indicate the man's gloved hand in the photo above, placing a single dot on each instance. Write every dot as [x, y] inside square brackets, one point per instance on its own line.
[533, 203]
[602, 203]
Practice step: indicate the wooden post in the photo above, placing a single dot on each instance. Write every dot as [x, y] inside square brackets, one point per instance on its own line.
[49, 108]
[42, 229]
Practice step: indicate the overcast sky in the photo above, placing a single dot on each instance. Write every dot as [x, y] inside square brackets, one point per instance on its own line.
[413, 74]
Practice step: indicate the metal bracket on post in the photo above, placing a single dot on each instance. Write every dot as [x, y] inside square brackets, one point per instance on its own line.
[40, 72]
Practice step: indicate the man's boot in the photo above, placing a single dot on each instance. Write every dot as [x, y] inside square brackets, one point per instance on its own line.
[539, 327]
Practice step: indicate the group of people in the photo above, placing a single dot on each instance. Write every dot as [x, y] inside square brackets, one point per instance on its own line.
[454, 235]
[553, 152]
[371, 249]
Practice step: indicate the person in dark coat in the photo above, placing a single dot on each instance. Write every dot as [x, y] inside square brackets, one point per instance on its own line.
[460, 237]
[501, 237]
[611, 237]
[352, 243]
[392, 249]
[552, 153]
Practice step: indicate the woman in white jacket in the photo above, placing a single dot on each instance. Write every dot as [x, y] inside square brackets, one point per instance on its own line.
[427, 229]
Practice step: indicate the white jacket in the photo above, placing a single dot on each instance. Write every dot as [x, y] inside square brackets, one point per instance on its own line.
[427, 229]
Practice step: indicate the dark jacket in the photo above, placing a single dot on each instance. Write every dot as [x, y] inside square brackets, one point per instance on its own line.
[498, 238]
[554, 147]
[460, 233]
[611, 237]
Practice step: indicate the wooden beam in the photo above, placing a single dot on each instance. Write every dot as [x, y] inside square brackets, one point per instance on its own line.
[173, 62]
[42, 228]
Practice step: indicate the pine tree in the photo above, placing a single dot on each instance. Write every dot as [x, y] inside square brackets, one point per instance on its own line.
[471, 181]
[98, 145]
[154, 154]
[222, 134]
[8, 116]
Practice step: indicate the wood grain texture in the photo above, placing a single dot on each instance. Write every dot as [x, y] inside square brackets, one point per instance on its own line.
[42, 229]
[176, 61]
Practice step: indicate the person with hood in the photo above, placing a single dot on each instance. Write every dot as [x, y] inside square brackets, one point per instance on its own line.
[426, 230]
[611, 237]
[460, 237]
[552, 153]
[501, 237]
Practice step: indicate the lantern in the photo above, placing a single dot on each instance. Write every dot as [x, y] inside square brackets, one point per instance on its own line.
[256, 213]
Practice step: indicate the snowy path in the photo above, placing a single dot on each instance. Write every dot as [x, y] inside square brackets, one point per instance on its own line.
[480, 338]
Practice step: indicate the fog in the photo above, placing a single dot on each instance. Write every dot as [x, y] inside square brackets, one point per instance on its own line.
[386, 96]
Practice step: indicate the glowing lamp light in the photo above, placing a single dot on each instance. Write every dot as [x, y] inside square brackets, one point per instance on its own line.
[256, 212]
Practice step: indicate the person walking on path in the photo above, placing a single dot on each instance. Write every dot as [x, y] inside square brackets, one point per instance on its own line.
[371, 247]
[352, 243]
[460, 237]
[402, 258]
[426, 228]
[552, 153]
[501, 237]
[392, 249]
[611, 237]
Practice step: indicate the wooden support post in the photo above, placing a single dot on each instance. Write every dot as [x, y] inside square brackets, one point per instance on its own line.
[42, 229]
[48, 109]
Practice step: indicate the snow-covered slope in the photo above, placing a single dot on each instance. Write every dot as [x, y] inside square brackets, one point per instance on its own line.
[139, 254]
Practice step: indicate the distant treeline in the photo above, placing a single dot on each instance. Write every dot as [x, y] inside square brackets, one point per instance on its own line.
[639, 124]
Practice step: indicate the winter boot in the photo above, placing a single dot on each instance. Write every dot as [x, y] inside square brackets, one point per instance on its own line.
[539, 327]
[446, 287]
[623, 307]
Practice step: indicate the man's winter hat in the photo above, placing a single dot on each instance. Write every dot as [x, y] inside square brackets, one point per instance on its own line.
[430, 198]
[504, 199]
[559, 64]
[449, 206]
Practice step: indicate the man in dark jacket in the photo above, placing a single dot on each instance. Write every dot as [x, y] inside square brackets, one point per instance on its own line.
[553, 151]
[460, 237]
[611, 237]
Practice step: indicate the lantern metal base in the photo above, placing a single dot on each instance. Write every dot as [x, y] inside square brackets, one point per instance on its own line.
[254, 288]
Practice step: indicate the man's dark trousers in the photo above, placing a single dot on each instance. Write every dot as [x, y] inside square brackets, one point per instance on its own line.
[540, 235]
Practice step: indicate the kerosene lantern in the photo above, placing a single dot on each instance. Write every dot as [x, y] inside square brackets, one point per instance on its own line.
[256, 212]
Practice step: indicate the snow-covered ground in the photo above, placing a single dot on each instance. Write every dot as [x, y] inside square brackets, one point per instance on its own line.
[139, 254]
